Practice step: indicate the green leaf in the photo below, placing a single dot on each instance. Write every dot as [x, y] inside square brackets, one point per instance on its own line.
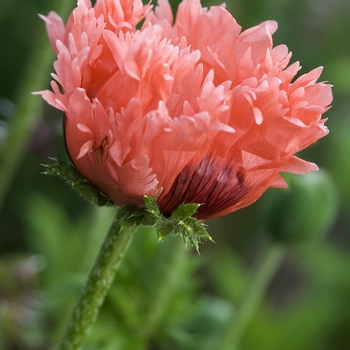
[194, 241]
[199, 228]
[184, 211]
[70, 174]
[165, 228]
[152, 206]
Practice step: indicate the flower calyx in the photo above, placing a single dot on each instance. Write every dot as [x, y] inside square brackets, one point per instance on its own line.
[180, 222]
[67, 172]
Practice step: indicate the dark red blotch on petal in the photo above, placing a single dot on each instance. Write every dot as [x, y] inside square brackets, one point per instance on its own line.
[213, 184]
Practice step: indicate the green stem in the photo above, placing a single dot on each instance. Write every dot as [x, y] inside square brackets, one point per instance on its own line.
[99, 281]
[166, 274]
[35, 77]
[251, 301]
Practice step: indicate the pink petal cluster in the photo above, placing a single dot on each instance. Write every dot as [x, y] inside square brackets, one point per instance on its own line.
[192, 110]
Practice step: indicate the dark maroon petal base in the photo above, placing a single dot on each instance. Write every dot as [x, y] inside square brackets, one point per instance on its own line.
[214, 185]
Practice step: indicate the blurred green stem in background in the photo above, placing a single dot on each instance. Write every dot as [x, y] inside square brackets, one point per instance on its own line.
[35, 77]
[167, 272]
[256, 290]
[99, 281]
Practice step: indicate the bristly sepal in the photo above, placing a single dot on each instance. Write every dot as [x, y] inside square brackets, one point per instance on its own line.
[70, 175]
[181, 221]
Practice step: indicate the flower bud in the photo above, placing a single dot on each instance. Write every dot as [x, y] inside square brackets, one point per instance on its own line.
[302, 212]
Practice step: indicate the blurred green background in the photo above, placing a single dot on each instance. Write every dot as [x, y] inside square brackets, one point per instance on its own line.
[49, 235]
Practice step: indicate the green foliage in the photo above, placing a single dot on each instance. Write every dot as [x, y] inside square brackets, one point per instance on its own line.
[70, 174]
[180, 222]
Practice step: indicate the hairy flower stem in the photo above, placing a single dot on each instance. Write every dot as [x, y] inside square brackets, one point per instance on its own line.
[253, 296]
[99, 281]
[166, 274]
[27, 107]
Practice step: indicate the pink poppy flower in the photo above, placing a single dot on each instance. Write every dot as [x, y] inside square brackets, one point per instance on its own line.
[187, 111]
